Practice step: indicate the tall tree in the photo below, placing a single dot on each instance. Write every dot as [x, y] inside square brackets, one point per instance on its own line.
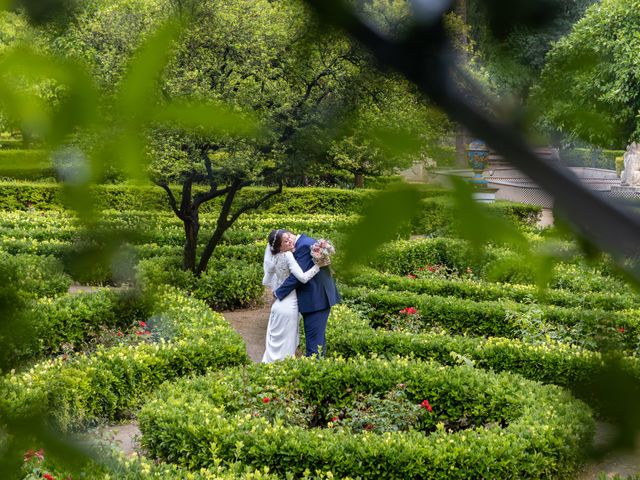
[589, 86]
[264, 57]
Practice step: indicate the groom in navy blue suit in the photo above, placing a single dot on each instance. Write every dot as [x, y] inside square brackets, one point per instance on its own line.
[315, 298]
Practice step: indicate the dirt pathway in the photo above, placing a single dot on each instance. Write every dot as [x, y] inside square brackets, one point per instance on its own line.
[252, 326]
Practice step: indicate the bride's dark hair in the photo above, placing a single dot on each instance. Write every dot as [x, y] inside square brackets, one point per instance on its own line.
[275, 240]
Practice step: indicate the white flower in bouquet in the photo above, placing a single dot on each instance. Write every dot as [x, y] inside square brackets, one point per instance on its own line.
[321, 251]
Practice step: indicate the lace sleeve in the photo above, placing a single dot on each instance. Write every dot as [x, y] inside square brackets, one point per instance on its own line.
[295, 269]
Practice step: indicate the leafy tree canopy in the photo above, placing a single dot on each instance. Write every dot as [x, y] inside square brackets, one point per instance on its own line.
[589, 87]
[516, 60]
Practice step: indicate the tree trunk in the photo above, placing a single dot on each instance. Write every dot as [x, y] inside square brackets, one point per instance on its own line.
[358, 180]
[191, 230]
[221, 226]
[210, 247]
[461, 145]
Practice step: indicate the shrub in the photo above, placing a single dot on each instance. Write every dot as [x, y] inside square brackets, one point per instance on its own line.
[278, 416]
[46, 196]
[479, 290]
[437, 216]
[588, 328]
[38, 276]
[404, 256]
[70, 322]
[26, 164]
[350, 335]
[82, 390]
[225, 285]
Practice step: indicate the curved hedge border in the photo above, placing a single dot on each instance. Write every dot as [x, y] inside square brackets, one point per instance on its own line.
[49, 325]
[591, 328]
[497, 318]
[479, 290]
[114, 464]
[109, 383]
[349, 335]
[195, 422]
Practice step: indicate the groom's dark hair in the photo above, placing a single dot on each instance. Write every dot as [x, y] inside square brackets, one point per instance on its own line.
[275, 239]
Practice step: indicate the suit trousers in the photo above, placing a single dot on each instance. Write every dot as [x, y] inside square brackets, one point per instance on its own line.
[315, 326]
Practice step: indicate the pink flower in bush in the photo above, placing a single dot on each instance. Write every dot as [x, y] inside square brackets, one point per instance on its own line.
[48, 476]
[426, 406]
[266, 400]
[29, 454]
[334, 419]
[142, 324]
[411, 276]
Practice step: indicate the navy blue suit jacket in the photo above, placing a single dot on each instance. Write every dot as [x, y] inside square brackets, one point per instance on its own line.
[320, 292]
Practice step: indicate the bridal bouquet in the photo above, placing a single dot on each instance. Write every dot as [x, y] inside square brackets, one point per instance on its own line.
[322, 250]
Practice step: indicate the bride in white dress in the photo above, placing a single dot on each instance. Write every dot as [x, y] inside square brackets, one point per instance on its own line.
[282, 332]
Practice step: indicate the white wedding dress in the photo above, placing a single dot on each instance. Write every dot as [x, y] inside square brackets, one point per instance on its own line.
[282, 331]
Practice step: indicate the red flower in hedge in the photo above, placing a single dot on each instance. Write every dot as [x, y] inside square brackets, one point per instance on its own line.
[409, 311]
[411, 276]
[266, 400]
[139, 333]
[368, 427]
[142, 324]
[431, 269]
[119, 333]
[334, 419]
[48, 476]
[426, 406]
[621, 329]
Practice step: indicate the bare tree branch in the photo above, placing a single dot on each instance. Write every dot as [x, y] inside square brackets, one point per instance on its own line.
[172, 199]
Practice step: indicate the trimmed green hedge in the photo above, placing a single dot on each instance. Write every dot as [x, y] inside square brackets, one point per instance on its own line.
[69, 322]
[82, 390]
[350, 335]
[479, 290]
[227, 284]
[437, 216]
[404, 256]
[584, 157]
[506, 426]
[497, 264]
[26, 164]
[37, 276]
[587, 328]
[46, 196]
